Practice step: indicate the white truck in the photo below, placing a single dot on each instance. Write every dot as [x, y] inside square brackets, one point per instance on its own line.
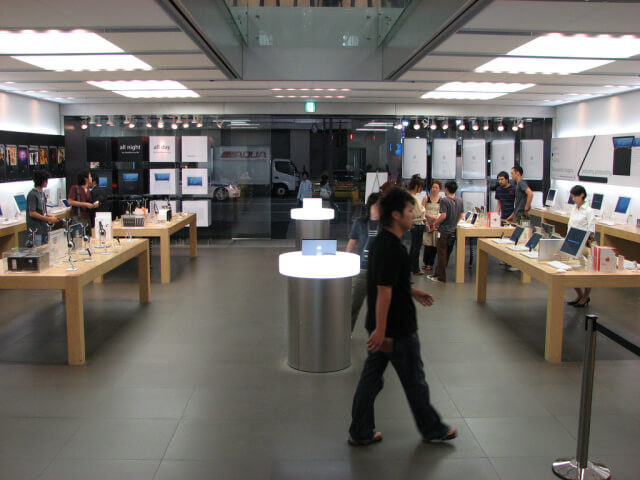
[252, 165]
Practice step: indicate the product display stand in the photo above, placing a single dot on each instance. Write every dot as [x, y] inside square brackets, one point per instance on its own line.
[319, 309]
[312, 221]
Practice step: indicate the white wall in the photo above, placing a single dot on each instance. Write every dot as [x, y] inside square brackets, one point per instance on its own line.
[608, 115]
[617, 114]
[29, 115]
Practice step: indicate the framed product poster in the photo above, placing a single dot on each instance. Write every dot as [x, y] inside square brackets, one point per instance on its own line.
[196, 148]
[23, 161]
[202, 209]
[531, 154]
[12, 155]
[163, 181]
[195, 181]
[444, 158]
[162, 149]
[414, 157]
[33, 155]
[60, 155]
[53, 155]
[503, 156]
[43, 155]
[474, 159]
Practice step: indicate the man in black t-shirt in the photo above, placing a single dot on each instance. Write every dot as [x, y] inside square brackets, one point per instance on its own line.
[506, 196]
[391, 323]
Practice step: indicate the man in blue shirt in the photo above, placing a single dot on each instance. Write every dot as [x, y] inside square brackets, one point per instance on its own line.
[506, 196]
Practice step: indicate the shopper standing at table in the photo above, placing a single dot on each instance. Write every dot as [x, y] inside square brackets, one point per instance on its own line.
[391, 323]
[415, 187]
[447, 222]
[431, 205]
[581, 217]
[505, 196]
[37, 218]
[524, 195]
[306, 189]
[363, 232]
[80, 200]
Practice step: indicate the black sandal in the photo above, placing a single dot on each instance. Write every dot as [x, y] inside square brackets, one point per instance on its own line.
[450, 434]
[377, 437]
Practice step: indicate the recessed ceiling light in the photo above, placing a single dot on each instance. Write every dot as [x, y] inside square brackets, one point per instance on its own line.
[331, 89]
[292, 96]
[291, 89]
[304, 89]
[328, 96]
[580, 47]
[318, 89]
[276, 89]
[341, 96]
[279, 96]
[475, 90]
[345, 89]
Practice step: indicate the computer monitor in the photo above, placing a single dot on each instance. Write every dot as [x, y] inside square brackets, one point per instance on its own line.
[551, 195]
[130, 177]
[623, 205]
[103, 182]
[533, 241]
[547, 229]
[131, 182]
[21, 202]
[574, 242]
[162, 177]
[319, 247]
[596, 201]
[515, 236]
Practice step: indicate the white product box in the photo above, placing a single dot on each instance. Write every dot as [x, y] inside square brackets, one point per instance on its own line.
[414, 157]
[531, 155]
[474, 159]
[196, 149]
[443, 158]
[202, 209]
[502, 156]
[163, 181]
[163, 149]
[195, 181]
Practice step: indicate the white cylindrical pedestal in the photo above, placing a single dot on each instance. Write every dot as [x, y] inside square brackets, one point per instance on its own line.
[319, 306]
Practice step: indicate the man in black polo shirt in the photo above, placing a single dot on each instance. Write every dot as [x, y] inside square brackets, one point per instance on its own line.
[391, 323]
[505, 195]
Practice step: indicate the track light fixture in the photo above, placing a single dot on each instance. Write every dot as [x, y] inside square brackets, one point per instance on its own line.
[500, 126]
[485, 125]
[174, 125]
[84, 125]
[461, 125]
[521, 123]
[416, 125]
[445, 124]
[434, 125]
[148, 124]
[405, 122]
[515, 127]
[160, 123]
[474, 125]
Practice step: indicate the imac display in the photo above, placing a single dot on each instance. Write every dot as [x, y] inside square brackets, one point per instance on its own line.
[596, 201]
[623, 205]
[533, 241]
[551, 195]
[570, 201]
[515, 236]
[131, 182]
[319, 247]
[103, 182]
[574, 242]
[21, 202]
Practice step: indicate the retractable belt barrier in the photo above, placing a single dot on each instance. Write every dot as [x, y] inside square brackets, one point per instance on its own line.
[580, 468]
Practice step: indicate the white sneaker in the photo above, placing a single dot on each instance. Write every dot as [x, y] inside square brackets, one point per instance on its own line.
[434, 278]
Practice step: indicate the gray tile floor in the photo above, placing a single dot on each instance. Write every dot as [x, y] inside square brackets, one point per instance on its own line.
[195, 385]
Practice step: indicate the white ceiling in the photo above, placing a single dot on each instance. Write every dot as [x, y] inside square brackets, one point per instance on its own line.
[142, 28]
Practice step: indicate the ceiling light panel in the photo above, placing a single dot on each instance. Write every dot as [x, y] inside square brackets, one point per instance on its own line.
[54, 42]
[580, 52]
[475, 90]
[146, 88]
[79, 63]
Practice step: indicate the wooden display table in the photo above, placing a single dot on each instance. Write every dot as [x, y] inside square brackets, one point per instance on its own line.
[475, 231]
[71, 284]
[559, 220]
[556, 284]
[624, 238]
[163, 231]
[9, 232]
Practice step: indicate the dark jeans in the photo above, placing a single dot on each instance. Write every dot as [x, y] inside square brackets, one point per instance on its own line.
[407, 363]
[445, 247]
[429, 255]
[416, 243]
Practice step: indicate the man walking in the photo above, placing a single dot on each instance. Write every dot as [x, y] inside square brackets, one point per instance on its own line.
[391, 323]
[447, 222]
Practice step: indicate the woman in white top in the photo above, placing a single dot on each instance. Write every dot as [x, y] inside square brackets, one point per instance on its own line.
[582, 218]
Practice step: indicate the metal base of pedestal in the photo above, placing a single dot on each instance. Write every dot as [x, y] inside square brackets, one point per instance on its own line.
[319, 324]
[311, 229]
[568, 469]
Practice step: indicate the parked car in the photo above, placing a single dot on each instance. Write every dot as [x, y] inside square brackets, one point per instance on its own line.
[222, 191]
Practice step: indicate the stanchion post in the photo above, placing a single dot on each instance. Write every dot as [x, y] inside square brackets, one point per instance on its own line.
[580, 468]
